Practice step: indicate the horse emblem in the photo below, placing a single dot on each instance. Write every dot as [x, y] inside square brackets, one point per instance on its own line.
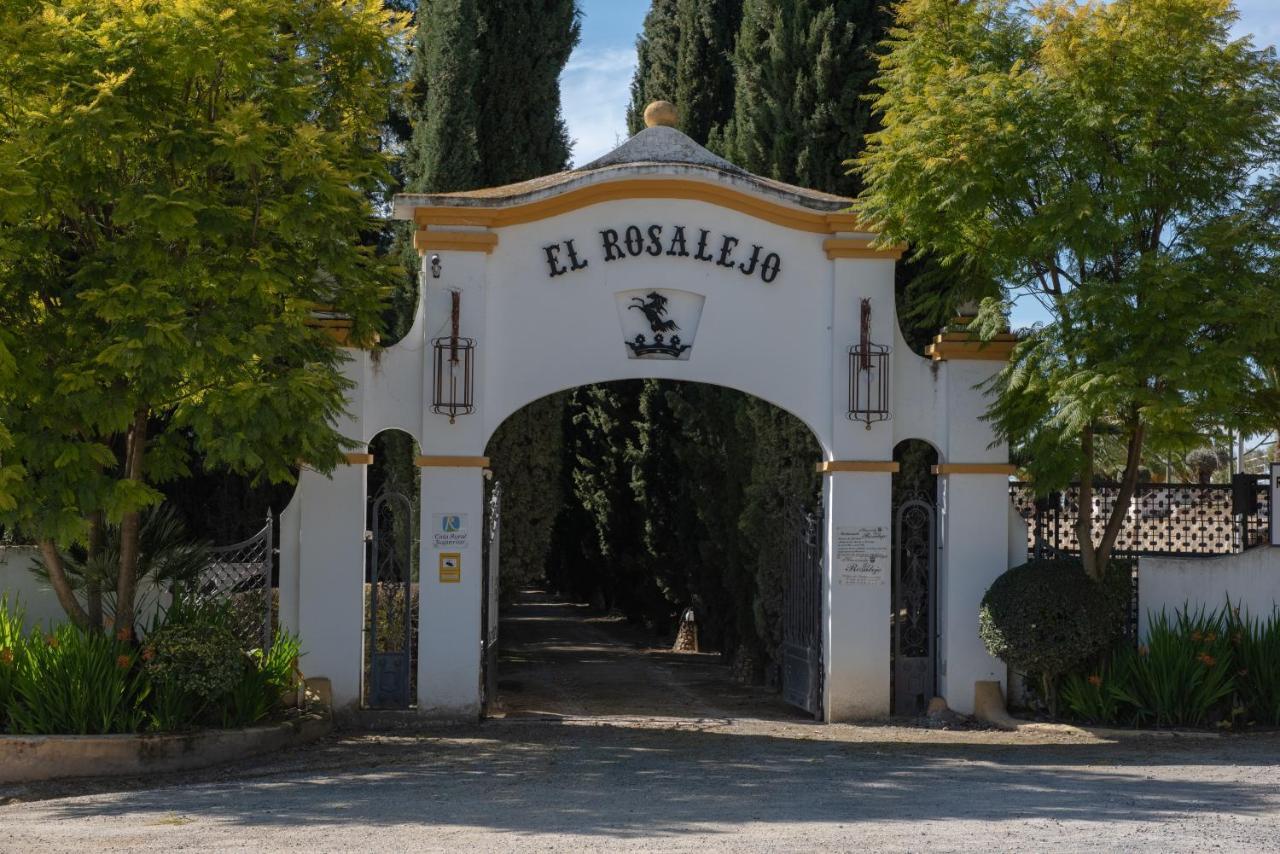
[653, 306]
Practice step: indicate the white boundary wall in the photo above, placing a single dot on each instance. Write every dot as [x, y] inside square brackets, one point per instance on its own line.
[36, 598]
[1250, 580]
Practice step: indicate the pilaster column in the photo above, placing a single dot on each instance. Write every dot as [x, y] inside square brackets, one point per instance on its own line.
[856, 615]
[450, 585]
[330, 520]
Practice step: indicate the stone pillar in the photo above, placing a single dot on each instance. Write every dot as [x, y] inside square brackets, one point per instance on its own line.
[858, 491]
[856, 618]
[331, 557]
[975, 537]
[449, 596]
[973, 481]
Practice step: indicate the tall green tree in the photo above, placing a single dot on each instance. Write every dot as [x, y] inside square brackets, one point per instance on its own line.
[183, 183]
[684, 55]
[444, 155]
[1101, 159]
[802, 71]
[485, 106]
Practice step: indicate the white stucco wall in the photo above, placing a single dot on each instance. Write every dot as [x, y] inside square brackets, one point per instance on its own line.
[19, 584]
[1250, 580]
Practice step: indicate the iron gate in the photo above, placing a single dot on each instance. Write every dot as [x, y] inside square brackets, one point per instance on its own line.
[241, 575]
[489, 604]
[390, 630]
[802, 614]
[915, 619]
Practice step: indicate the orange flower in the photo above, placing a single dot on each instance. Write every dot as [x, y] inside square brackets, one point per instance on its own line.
[1211, 637]
[1206, 659]
[51, 640]
[1095, 680]
[125, 634]
[6, 656]
[124, 662]
[1143, 650]
[149, 653]
[1197, 637]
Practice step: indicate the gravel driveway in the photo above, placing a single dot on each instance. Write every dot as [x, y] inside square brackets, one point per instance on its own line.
[690, 765]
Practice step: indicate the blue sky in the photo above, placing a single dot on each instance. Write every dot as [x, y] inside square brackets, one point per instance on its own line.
[594, 85]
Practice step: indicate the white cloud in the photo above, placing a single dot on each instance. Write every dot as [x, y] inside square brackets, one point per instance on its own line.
[594, 91]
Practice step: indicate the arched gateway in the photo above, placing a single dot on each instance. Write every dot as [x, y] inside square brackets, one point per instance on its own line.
[658, 260]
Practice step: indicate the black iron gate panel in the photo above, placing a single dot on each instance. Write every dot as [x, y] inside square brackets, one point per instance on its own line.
[390, 629]
[802, 614]
[489, 604]
[240, 574]
[915, 618]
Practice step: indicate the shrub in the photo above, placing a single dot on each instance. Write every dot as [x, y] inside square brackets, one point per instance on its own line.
[1256, 646]
[78, 682]
[11, 647]
[1093, 697]
[264, 683]
[1048, 617]
[194, 663]
[1181, 674]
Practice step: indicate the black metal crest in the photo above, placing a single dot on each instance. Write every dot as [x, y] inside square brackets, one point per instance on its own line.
[654, 309]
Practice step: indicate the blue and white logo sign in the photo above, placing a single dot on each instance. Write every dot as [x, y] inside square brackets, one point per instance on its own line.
[449, 530]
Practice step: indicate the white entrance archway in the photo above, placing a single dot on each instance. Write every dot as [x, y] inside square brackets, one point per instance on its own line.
[659, 260]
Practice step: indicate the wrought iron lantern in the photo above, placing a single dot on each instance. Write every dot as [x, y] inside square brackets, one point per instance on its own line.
[454, 370]
[868, 376]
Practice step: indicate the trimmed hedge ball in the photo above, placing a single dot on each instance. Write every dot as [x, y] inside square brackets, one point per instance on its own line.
[1049, 617]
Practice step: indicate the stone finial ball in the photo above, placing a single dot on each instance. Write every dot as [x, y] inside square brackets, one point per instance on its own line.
[661, 113]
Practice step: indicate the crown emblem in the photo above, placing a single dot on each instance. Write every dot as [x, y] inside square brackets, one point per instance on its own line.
[654, 308]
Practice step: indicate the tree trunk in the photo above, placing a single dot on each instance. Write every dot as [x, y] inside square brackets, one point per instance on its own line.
[1128, 486]
[130, 525]
[1084, 515]
[62, 587]
[93, 584]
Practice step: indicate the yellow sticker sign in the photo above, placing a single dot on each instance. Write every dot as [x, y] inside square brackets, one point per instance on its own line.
[450, 567]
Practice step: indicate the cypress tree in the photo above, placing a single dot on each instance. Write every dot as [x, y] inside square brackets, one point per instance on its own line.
[684, 56]
[801, 70]
[523, 46]
[656, 53]
[484, 100]
[443, 155]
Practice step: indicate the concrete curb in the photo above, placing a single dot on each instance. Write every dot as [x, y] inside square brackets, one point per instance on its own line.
[28, 758]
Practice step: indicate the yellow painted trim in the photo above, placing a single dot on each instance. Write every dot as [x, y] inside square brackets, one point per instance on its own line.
[865, 466]
[358, 459]
[966, 345]
[451, 462]
[455, 241]
[815, 222]
[974, 468]
[853, 247]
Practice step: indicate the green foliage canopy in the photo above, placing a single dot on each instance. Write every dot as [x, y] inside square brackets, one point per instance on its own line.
[1100, 159]
[182, 183]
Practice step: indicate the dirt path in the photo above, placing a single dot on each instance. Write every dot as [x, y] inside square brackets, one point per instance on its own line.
[561, 660]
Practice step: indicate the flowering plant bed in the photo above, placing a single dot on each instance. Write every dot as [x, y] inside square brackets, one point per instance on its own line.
[188, 672]
[1196, 669]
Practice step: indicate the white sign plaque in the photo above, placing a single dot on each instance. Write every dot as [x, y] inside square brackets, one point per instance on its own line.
[1275, 496]
[862, 555]
[449, 530]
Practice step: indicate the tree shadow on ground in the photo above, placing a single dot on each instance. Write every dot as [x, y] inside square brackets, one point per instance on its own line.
[619, 782]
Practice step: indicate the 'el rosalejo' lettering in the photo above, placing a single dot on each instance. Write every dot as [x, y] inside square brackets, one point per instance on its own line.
[655, 241]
